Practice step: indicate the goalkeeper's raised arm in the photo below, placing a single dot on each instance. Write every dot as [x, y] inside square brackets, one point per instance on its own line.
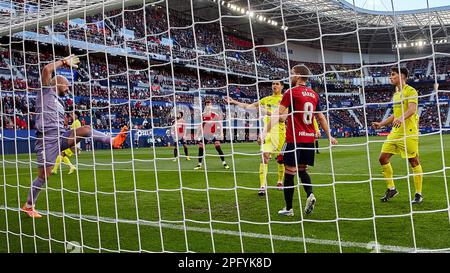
[48, 69]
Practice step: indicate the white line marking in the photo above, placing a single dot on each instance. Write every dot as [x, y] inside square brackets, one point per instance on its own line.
[369, 245]
[220, 171]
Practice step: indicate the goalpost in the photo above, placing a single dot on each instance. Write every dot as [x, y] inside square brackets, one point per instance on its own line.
[149, 60]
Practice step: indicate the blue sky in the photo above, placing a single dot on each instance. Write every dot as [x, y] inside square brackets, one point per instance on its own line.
[385, 5]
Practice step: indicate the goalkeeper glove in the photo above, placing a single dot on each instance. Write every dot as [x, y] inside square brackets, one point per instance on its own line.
[71, 61]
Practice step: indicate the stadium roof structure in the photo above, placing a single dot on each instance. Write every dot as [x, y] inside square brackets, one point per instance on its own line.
[341, 23]
[377, 29]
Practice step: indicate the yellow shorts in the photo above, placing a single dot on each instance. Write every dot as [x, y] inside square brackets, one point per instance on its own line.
[68, 152]
[395, 146]
[274, 143]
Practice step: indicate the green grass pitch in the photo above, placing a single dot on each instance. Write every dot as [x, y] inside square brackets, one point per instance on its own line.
[102, 203]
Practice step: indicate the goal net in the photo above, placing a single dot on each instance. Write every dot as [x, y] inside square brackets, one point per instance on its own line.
[184, 77]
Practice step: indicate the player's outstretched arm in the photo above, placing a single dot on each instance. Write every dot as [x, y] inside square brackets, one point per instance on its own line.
[48, 69]
[377, 125]
[241, 104]
[324, 124]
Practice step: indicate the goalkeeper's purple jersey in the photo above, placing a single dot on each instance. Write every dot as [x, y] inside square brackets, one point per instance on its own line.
[49, 112]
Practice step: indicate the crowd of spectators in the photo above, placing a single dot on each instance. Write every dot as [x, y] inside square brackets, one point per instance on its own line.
[18, 110]
[111, 90]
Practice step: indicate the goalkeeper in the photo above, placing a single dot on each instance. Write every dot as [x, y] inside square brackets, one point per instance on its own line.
[51, 137]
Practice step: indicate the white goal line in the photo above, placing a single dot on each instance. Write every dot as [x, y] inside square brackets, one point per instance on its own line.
[369, 245]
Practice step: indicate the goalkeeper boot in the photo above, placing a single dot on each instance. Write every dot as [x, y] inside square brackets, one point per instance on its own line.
[174, 160]
[286, 212]
[225, 165]
[310, 202]
[188, 158]
[389, 194]
[199, 166]
[54, 172]
[72, 169]
[30, 211]
[418, 198]
[262, 191]
[120, 138]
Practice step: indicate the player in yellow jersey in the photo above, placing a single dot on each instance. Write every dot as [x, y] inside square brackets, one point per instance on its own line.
[64, 156]
[318, 135]
[275, 140]
[405, 130]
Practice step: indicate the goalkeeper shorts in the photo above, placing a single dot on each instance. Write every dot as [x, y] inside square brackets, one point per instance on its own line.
[50, 148]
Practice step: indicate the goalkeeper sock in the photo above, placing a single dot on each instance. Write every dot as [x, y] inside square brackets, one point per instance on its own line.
[288, 190]
[262, 174]
[57, 162]
[388, 175]
[418, 178]
[36, 188]
[200, 155]
[306, 181]
[219, 150]
[280, 172]
[317, 146]
[186, 150]
[67, 162]
[175, 152]
[101, 137]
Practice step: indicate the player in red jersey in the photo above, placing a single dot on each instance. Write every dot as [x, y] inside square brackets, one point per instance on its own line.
[179, 136]
[299, 105]
[212, 131]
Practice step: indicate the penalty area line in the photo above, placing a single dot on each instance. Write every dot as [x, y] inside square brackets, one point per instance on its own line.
[222, 171]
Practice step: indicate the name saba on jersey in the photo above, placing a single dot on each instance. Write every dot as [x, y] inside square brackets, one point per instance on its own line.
[308, 94]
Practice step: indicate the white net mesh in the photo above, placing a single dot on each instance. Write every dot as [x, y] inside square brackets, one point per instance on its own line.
[145, 63]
